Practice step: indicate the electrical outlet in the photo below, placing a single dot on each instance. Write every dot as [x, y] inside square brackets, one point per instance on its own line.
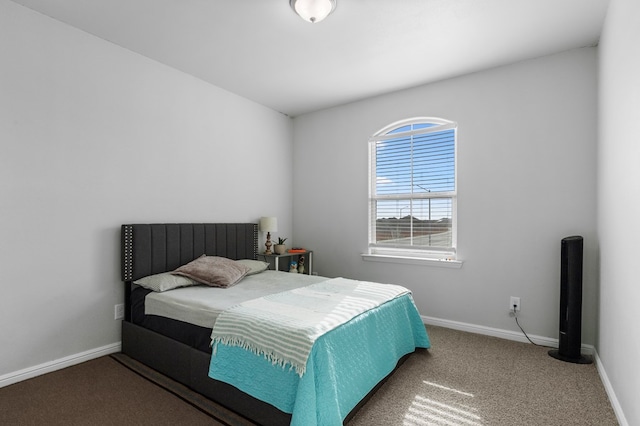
[514, 301]
[118, 311]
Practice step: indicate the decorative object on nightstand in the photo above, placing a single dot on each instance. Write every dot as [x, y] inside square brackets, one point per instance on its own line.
[280, 248]
[290, 256]
[268, 225]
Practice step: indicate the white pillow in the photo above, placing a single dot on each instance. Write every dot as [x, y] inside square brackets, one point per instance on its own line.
[255, 266]
[165, 281]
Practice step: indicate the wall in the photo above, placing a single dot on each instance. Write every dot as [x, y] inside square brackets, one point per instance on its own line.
[619, 205]
[93, 136]
[526, 179]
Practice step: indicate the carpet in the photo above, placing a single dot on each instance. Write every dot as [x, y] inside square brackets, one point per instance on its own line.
[110, 390]
[212, 409]
[464, 379]
[476, 380]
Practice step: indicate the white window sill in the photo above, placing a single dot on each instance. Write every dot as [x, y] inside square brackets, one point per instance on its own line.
[408, 260]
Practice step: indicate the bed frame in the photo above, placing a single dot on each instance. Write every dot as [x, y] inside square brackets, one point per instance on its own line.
[154, 248]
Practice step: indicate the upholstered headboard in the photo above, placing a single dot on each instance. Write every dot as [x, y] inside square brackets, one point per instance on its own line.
[149, 249]
[153, 248]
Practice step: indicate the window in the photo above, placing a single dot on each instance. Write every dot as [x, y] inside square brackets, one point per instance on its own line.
[412, 189]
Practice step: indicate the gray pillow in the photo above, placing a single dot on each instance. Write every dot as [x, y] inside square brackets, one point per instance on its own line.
[213, 271]
[255, 266]
[165, 281]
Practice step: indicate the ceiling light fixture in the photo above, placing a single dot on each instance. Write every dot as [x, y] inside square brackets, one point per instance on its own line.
[313, 11]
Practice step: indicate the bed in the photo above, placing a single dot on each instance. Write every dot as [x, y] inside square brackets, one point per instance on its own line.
[239, 377]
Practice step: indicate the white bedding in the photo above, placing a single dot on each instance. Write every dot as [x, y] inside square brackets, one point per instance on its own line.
[201, 305]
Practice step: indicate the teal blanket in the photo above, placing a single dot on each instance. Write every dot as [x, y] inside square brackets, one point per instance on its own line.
[343, 366]
[284, 326]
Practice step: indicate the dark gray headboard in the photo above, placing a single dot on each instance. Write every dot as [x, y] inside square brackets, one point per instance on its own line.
[154, 248]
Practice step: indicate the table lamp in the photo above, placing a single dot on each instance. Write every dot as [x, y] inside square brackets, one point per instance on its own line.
[268, 225]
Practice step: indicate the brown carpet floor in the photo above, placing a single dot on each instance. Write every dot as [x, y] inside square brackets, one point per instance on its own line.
[98, 392]
[465, 379]
[471, 379]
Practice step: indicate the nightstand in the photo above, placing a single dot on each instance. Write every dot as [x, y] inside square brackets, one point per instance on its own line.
[308, 255]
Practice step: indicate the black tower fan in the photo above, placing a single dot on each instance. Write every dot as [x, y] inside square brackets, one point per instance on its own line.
[570, 302]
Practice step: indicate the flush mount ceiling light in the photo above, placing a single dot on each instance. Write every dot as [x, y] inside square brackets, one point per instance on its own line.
[313, 10]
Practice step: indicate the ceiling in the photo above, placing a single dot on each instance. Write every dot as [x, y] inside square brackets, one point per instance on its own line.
[261, 50]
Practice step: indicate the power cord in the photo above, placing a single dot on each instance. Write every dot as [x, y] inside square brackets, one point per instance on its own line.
[515, 315]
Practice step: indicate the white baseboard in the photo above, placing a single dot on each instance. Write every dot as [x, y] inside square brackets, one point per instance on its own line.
[503, 334]
[48, 367]
[615, 404]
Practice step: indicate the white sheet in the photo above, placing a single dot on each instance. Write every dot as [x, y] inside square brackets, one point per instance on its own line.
[201, 305]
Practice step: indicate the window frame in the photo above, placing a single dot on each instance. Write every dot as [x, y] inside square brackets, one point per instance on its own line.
[400, 253]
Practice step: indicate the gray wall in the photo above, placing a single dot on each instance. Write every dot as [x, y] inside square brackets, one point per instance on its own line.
[619, 204]
[526, 179]
[93, 136]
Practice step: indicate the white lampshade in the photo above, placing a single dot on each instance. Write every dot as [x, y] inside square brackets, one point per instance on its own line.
[269, 224]
[313, 10]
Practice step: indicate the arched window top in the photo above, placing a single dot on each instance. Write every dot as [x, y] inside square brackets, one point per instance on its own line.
[411, 125]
